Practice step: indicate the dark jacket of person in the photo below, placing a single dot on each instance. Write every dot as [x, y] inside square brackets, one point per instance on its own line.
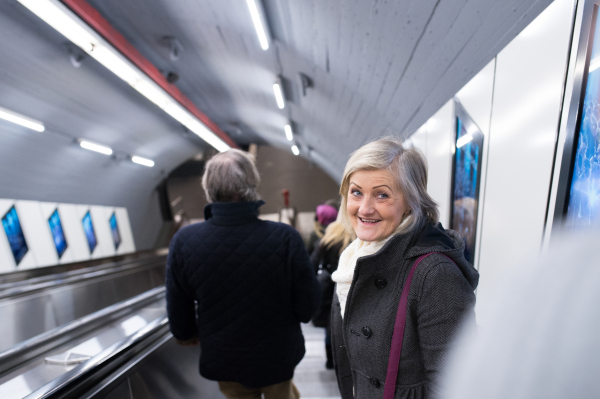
[253, 284]
[328, 259]
[440, 297]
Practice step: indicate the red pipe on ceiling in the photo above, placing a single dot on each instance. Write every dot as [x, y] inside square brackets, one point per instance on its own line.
[93, 18]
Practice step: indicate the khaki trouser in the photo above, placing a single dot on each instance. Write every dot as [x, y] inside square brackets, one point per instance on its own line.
[283, 390]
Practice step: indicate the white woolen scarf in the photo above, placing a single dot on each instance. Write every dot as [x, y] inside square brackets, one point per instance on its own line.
[345, 271]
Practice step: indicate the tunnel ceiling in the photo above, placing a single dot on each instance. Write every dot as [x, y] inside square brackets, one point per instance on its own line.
[377, 67]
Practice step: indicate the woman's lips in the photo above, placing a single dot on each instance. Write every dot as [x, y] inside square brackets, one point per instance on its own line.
[369, 221]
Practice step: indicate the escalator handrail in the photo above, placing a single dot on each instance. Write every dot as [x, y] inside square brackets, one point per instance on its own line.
[87, 368]
[40, 272]
[76, 277]
[42, 339]
[69, 273]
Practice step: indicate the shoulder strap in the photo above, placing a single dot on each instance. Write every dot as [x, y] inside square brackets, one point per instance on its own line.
[398, 335]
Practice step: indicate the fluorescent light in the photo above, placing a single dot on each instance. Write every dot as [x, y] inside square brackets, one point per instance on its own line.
[295, 150]
[152, 93]
[61, 18]
[95, 147]
[258, 25]
[142, 161]
[288, 132]
[278, 95]
[594, 64]
[22, 120]
[116, 64]
[205, 134]
[464, 140]
[178, 113]
[73, 28]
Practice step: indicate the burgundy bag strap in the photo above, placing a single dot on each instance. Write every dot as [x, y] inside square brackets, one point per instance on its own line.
[398, 335]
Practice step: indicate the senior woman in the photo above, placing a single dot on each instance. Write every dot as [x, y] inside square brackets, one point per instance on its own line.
[385, 202]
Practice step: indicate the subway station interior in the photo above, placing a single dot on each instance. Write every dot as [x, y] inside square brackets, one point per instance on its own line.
[110, 111]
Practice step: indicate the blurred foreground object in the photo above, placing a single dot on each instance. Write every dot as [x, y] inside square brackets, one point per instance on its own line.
[542, 339]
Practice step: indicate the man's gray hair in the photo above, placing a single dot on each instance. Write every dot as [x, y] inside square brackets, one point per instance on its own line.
[409, 168]
[231, 176]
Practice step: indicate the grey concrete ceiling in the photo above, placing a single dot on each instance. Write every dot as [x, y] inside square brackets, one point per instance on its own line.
[378, 67]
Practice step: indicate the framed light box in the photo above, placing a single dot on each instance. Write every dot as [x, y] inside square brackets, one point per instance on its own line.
[90, 234]
[58, 234]
[466, 176]
[578, 195]
[14, 233]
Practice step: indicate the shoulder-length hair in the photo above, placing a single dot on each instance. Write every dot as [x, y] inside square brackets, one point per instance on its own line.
[409, 168]
[231, 176]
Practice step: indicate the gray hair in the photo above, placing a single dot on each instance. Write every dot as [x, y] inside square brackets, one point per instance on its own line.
[409, 168]
[231, 176]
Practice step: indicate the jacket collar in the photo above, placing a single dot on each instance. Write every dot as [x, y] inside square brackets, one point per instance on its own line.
[424, 239]
[232, 213]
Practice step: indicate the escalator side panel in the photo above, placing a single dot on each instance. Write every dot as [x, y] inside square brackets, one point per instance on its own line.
[25, 318]
[170, 372]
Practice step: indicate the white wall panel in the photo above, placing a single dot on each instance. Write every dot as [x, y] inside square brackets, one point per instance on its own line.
[440, 139]
[7, 261]
[529, 81]
[419, 139]
[78, 246]
[37, 234]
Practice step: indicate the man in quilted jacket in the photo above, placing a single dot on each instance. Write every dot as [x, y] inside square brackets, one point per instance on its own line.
[240, 286]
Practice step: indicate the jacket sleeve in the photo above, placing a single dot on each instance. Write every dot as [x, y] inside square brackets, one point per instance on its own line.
[306, 292]
[446, 300]
[341, 362]
[180, 303]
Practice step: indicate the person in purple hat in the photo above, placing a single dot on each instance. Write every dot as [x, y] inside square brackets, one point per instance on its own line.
[324, 215]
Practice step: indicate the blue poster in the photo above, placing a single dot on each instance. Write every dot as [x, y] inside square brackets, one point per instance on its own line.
[88, 228]
[465, 192]
[584, 196]
[14, 233]
[58, 235]
[114, 228]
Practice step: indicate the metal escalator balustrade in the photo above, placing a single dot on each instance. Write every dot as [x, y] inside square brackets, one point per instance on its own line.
[36, 308]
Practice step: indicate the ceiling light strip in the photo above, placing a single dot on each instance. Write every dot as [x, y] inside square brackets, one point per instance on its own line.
[99, 39]
[142, 161]
[88, 145]
[258, 24]
[22, 120]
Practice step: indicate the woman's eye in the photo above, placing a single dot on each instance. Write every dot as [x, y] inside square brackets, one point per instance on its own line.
[355, 192]
[382, 195]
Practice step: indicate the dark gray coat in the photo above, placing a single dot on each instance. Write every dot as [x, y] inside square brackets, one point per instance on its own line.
[440, 297]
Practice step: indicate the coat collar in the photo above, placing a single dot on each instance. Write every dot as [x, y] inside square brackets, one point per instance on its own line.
[424, 239]
[232, 213]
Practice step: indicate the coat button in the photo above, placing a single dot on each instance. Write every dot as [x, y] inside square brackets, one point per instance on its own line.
[380, 282]
[366, 331]
[375, 382]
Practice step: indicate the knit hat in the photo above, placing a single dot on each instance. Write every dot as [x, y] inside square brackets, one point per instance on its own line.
[326, 214]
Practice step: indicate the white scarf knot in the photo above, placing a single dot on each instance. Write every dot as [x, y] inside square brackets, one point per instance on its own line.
[345, 271]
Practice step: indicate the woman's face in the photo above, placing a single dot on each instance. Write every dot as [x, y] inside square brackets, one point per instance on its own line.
[375, 205]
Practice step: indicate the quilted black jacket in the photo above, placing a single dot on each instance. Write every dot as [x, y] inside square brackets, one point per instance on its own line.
[253, 284]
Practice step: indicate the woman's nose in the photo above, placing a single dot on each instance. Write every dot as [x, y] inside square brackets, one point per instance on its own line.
[366, 206]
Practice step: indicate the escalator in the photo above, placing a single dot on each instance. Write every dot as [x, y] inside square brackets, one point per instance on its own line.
[95, 332]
